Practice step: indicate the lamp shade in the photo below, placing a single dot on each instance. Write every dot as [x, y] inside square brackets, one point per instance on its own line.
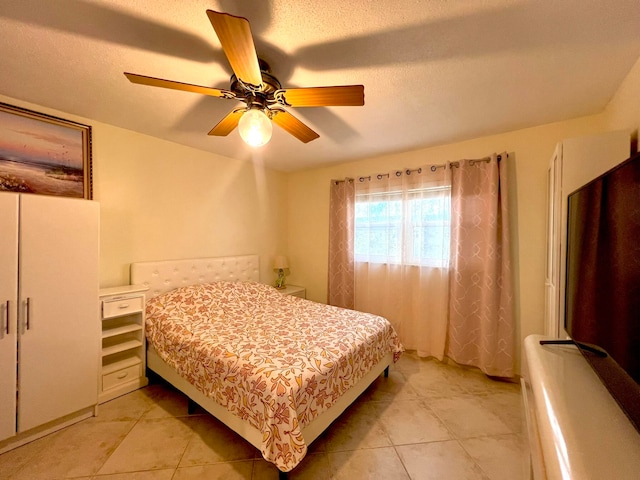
[280, 262]
[255, 127]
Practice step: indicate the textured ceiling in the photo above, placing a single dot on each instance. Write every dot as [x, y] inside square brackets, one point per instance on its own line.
[434, 71]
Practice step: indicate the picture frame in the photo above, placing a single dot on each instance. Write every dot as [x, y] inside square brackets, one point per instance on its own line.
[43, 154]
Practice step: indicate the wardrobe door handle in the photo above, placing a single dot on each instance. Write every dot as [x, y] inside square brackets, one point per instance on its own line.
[7, 317]
[28, 312]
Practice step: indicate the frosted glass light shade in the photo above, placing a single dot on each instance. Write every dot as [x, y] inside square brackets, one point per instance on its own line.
[255, 128]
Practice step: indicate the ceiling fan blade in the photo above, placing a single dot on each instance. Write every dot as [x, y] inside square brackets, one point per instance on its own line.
[187, 87]
[228, 123]
[235, 37]
[291, 124]
[344, 95]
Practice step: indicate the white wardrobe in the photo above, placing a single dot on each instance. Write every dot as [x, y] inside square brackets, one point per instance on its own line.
[50, 328]
[575, 162]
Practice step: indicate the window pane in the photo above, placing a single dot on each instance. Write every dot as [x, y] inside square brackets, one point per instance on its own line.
[381, 220]
[430, 245]
[429, 224]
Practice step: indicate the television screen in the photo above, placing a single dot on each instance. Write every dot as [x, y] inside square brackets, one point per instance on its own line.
[602, 304]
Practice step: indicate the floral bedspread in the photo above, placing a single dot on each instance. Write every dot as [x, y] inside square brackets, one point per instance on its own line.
[274, 360]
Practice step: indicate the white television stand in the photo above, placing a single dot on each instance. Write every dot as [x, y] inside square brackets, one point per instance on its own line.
[576, 428]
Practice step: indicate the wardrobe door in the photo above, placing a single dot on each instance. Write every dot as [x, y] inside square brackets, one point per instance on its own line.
[8, 302]
[59, 331]
[554, 178]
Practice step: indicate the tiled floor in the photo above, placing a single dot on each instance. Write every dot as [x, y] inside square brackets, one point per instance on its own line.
[426, 421]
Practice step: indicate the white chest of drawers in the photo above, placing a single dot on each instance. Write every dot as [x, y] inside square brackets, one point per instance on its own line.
[123, 341]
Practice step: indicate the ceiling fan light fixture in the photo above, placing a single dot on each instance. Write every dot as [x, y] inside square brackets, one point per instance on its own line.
[255, 127]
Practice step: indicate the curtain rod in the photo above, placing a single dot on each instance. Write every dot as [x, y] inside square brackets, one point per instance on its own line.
[347, 179]
[409, 171]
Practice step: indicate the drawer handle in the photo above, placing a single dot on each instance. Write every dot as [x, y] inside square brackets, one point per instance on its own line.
[122, 375]
[123, 305]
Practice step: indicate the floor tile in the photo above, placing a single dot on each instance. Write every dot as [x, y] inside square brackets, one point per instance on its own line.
[152, 444]
[409, 362]
[502, 457]
[14, 460]
[312, 467]
[432, 379]
[428, 419]
[359, 427]
[438, 461]
[467, 417]
[126, 407]
[393, 387]
[166, 474]
[220, 471]
[214, 442]
[412, 421]
[476, 382]
[508, 407]
[78, 450]
[371, 464]
[166, 401]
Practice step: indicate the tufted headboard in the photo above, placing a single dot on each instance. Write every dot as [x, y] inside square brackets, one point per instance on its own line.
[166, 275]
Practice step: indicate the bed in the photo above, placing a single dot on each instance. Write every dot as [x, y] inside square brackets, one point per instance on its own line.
[276, 369]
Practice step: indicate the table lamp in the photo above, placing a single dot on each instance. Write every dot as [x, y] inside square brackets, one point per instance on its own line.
[280, 264]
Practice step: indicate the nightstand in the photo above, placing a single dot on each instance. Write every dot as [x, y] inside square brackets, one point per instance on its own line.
[123, 341]
[294, 291]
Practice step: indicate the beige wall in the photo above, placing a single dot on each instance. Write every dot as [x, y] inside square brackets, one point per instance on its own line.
[623, 111]
[530, 152]
[160, 200]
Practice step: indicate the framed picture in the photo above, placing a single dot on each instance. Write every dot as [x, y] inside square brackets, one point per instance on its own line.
[44, 154]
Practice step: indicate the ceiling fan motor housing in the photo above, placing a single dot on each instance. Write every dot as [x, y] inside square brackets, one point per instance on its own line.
[260, 97]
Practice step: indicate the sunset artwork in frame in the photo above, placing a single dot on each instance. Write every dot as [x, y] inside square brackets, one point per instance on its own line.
[43, 154]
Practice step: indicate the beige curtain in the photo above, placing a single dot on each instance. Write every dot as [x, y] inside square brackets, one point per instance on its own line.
[340, 289]
[481, 325]
[402, 247]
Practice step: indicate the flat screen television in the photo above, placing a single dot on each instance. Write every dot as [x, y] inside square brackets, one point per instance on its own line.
[602, 303]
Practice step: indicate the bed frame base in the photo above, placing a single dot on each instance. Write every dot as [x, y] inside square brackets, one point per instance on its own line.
[191, 406]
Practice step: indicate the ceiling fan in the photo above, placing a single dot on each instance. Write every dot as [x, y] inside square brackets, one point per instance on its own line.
[253, 84]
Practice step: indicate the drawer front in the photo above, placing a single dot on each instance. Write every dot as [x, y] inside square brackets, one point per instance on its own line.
[119, 377]
[123, 306]
[299, 293]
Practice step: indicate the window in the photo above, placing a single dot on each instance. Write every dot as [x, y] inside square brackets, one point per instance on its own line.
[411, 228]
